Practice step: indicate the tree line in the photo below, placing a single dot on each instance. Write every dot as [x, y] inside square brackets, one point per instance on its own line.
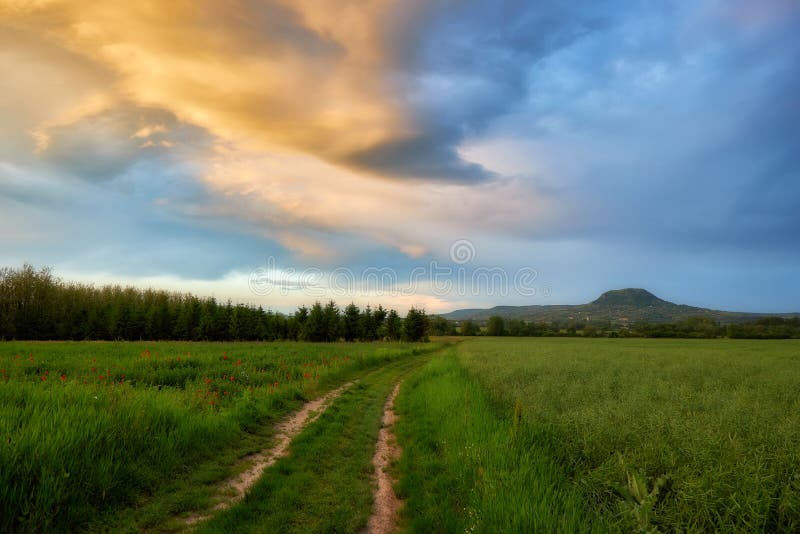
[693, 327]
[36, 305]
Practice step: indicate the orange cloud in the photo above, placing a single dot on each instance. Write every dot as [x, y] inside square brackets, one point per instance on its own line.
[294, 198]
[288, 89]
[276, 76]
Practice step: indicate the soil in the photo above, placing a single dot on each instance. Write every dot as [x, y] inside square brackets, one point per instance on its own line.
[234, 489]
[386, 507]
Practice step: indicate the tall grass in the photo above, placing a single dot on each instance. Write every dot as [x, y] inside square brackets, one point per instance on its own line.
[678, 435]
[468, 467]
[86, 427]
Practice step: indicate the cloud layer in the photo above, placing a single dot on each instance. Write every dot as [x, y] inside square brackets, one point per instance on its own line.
[193, 139]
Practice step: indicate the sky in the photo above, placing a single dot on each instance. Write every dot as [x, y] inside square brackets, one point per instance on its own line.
[431, 153]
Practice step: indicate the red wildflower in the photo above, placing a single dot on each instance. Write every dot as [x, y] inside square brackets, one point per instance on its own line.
[63, 378]
[44, 378]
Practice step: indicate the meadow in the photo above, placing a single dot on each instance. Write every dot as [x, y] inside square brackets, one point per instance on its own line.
[497, 434]
[92, 428]
[605, 434]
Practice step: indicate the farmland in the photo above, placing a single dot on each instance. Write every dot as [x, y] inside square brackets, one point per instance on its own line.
[497, 434]
[93, 428]
[628, 435]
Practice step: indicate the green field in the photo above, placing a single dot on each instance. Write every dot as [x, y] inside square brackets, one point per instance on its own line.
[673, 435]
[498, 434]
[92, 428]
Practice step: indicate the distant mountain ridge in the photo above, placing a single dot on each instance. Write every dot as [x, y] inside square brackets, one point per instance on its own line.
[618, 307]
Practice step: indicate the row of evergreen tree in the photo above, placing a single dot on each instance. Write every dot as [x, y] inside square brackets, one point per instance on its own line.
[36, 305]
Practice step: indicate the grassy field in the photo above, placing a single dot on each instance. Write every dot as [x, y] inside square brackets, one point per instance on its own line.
[498, 434]
[671, 435]
[90, 428]
[467, 468]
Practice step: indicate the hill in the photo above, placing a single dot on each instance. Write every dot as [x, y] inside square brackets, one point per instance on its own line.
[619, 307]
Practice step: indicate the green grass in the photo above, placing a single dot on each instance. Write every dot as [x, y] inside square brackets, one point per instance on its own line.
[676, 435]
[93, 428]
[469, 467]
[325, 484]
[499, 434]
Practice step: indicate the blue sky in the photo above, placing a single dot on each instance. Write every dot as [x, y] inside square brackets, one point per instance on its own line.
[602, 144]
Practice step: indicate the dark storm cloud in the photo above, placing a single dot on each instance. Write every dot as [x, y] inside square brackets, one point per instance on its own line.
[457, 66]
[680, 132]
[425, 156]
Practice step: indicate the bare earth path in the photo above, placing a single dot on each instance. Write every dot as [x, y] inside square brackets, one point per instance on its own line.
[386, 505]
[234, 489]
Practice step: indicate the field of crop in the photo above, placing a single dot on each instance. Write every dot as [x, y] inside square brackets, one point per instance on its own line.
[632, 435]
[497, 434]
[89, 428]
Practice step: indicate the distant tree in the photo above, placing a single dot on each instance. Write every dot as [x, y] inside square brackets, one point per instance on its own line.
[517, 327]
[368, 326]
[439, 326]
[495, 326]
[415, 325]
[351, 322]
[572, 330]
[207, 324]
[468, 328]
[292, 328]
[379, 315]
[332, 322]
[182, 323]
[703, 327]
[313, 328]
[393, 327]
[234, 324]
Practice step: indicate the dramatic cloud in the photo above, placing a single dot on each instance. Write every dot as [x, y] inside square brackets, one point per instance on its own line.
[603, 143]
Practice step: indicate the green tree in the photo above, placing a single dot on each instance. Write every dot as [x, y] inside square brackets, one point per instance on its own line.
[332, 321]
[379, 315]
[496, 326]
[234, 324]
[415, 325]
[369, 328]
[351, 322]
[313, 328]
[468, 328]
[393, 327]
[517, 327]
[441, 327]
